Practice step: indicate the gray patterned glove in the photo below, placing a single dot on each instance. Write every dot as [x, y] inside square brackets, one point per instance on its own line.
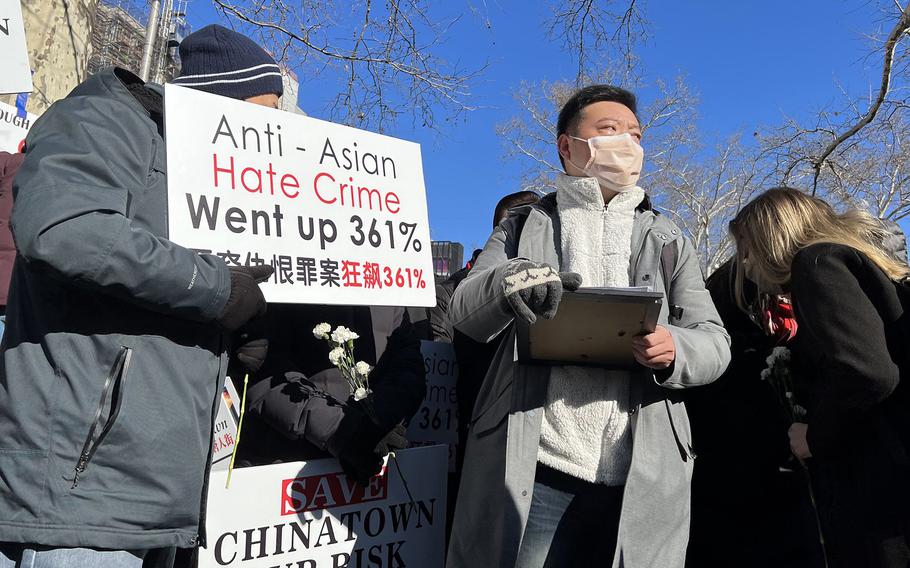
[394, 440]
[534, 288]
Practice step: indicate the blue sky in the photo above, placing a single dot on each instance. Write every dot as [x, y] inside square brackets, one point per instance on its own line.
[751, 62]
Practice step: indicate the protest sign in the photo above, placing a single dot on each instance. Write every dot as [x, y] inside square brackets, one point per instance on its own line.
[340, 213]
[13, 128]
[224, 434]
[437, 420]
[310, 515]
[15, 72]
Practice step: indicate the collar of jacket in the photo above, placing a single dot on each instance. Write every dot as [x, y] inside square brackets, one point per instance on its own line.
[648, 223]
[548, 204]
[115, 82]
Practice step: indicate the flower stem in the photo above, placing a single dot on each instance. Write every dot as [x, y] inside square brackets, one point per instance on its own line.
[246, 379]
[818, 521]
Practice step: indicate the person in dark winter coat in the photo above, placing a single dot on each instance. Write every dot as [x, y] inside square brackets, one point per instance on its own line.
[9, 164]
[299, 406]
[114, 354]
[849, 300]
[745, 506]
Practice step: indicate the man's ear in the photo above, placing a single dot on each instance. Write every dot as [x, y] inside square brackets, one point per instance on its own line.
[562, 145]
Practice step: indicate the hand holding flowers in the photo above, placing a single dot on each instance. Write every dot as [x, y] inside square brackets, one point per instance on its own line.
[342, 356]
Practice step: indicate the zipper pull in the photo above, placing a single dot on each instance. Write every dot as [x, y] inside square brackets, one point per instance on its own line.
[80, 468]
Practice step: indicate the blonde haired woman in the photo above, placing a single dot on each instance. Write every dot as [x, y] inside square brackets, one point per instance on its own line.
[852, 343]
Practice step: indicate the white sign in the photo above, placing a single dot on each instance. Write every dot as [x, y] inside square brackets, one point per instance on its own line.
[341, 213]
[15, 72]
[224, 435]
[310, 515]
[13, 128]
[437, 420]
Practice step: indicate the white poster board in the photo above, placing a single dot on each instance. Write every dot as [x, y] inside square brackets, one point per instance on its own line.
[15, 72]
[436, 422]
[341, 213]
[309, 515]
[13, 128]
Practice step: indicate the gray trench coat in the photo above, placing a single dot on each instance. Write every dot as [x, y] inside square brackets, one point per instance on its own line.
[498, 478]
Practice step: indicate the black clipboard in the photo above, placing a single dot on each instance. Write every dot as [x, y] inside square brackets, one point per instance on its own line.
[592, 327]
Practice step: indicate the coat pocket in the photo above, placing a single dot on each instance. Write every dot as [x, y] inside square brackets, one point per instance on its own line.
[682, 437]
[108, 410]
[493, 413]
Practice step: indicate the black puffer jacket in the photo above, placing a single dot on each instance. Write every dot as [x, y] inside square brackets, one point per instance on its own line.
[289, 416]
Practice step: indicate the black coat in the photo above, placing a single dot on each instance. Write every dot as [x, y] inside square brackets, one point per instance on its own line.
[9, 163]
[744, 507]
[852, 343]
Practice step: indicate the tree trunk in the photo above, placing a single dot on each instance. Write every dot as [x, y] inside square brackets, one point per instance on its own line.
[58, 33]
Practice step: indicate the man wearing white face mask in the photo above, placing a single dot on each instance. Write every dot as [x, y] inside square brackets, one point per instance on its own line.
[580, 466]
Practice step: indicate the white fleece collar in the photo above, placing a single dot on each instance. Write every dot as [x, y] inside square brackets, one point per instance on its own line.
[596, 237]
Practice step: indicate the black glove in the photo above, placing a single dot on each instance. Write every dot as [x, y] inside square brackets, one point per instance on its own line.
[252, 344]
[533, 288]
[246, 300]
[394, 440]
[355, 440]
[252, 354]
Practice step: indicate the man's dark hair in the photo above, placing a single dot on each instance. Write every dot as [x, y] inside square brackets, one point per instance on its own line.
[512, 200]
[571, 111]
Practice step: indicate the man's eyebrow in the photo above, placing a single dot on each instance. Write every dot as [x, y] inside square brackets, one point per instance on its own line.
[629, 123]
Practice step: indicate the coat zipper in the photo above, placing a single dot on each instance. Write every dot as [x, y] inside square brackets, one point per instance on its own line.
[113, 385]
[200, 539]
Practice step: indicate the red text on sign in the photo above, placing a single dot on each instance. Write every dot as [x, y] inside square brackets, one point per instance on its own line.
[329, 490]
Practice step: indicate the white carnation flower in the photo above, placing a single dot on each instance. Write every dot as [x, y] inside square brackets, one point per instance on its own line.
[322, 330]
[363, 368]
[343, 335]
[335, 355]
[361, 393]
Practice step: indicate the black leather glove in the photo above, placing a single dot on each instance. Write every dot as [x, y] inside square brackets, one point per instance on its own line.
[355, 440]
[394, 440]
[534, 289]
[246, 300]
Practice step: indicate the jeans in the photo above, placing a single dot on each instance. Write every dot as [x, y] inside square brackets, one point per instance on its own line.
[31, 556]
[571, 528]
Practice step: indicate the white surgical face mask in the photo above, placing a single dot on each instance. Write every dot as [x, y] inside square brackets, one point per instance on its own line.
[615, 161]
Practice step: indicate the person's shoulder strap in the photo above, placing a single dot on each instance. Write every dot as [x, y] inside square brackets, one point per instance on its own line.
[669, 255]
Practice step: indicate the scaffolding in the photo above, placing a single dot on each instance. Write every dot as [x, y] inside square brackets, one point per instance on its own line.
[118, 37]
[172, 28]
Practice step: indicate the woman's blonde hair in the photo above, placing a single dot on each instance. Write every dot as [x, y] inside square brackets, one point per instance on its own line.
[774, 226]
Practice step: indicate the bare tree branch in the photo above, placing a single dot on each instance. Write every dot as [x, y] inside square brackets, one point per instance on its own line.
[386, 55]
[589, 28]
[900, 28]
